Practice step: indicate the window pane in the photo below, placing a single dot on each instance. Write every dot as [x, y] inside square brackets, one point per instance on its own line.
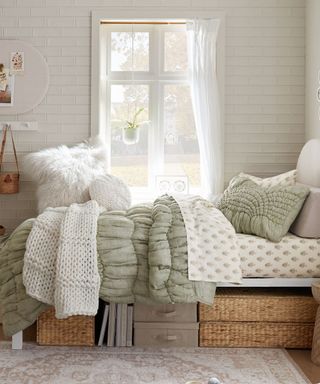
[129, 161]
[129, 53]
[181, 143]
[175, 51]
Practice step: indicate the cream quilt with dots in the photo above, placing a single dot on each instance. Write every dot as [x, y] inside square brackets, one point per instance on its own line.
[213, 252]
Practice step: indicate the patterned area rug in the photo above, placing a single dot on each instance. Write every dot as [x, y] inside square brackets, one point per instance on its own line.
[62, 365]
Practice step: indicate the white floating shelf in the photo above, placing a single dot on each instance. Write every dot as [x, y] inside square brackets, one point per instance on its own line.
[21, 125]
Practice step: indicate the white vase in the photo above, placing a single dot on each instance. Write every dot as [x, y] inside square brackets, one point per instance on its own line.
[130, 135]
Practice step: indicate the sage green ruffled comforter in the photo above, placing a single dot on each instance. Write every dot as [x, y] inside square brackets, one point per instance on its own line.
[142, 257]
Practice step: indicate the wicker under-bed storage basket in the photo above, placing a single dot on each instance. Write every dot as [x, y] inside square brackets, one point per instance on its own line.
[258, 318]
[75, 330]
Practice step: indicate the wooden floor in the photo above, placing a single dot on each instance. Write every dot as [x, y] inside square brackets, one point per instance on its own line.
[301, 357]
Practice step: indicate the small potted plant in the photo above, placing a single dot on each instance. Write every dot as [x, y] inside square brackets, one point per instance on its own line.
[131, 131]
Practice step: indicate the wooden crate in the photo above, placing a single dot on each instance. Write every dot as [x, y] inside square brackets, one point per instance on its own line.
[75, 330]
[261, 317]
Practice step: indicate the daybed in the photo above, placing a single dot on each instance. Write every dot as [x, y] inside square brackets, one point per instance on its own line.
[293, 262]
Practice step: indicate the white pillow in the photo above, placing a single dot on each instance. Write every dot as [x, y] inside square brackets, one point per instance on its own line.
[284, 179]
[308, 167]
[63, 174]
[307, 223]
[111, 193]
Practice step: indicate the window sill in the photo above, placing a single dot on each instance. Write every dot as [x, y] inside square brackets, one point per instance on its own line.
[145, 195]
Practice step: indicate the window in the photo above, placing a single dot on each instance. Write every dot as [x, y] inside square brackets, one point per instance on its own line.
[146, 72]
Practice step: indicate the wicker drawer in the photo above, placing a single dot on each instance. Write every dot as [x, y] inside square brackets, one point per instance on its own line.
[256, 334]
[166, 335]
[266, 305]
[169, 313]
[75, 330]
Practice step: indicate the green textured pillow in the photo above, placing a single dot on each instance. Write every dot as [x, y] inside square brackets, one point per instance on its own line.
[265, 212]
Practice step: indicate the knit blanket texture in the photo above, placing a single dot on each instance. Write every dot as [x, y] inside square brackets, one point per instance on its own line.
[60, 262]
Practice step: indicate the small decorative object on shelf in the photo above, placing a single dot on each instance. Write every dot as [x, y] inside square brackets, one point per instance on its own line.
[131, 132]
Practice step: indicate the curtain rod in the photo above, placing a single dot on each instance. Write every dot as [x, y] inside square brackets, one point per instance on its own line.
[144, 22]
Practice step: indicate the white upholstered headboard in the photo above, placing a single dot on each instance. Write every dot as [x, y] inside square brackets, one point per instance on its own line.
[308, 167]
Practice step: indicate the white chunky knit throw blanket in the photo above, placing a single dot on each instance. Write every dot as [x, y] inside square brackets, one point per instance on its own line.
[60, 263]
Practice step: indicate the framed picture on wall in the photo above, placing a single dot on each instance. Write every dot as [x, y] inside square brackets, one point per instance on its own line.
[17, 62]
[6, 87]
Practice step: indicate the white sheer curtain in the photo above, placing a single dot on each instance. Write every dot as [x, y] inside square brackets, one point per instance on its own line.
[202, 50]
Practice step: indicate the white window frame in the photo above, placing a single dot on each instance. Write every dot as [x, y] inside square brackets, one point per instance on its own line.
[99, 95]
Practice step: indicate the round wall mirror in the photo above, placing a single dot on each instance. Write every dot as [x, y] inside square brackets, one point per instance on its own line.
[27, 80]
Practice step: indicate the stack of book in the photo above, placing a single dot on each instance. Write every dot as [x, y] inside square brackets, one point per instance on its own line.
[117, 323]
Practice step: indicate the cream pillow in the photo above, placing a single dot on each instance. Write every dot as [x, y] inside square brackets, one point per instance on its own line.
[284, 179]
[63, 174]
[307, 224]
[308, 166]
[111, 193]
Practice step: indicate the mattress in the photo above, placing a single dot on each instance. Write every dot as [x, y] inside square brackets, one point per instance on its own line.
[293, 257]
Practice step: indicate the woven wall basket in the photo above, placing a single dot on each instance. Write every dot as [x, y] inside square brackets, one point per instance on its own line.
[9, 181]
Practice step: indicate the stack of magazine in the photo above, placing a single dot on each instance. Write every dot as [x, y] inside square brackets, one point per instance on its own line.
[117, 325]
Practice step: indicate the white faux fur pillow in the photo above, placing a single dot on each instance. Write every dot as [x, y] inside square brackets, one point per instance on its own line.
[111, 193]
[63, 174]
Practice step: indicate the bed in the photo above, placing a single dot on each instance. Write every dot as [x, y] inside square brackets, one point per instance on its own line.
[293, 262]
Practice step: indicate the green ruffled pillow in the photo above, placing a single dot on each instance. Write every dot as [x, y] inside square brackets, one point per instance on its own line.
[265, 212]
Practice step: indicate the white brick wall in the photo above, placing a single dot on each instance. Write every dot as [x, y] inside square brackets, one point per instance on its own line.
[264, 80]
[312, 69]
